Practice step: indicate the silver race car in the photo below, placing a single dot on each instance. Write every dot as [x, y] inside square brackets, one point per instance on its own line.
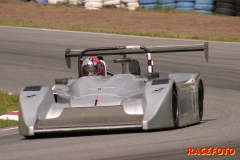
[114, 101]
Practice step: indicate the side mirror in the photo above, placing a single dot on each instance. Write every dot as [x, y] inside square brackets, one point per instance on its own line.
[152, 75]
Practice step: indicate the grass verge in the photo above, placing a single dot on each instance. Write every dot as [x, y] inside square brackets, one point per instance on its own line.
[8, 103]
[29, 24]
[7, 123]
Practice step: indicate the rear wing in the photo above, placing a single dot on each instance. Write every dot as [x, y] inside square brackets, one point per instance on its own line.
[138, 49]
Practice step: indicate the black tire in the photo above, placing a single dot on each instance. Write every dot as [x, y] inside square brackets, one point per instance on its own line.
[238, 14]
[224, 11]
[227, 1]
[226, 5]
[36, 136]
[175, 112]
[30, 137]
[238, 2]
[200, 100]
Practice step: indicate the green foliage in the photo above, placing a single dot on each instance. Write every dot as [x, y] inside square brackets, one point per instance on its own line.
[64, 4]
[157, 8]
[3, 1]
[67, 4]
[80, 5]
[7, 123]
[8, 103]
[110, 7]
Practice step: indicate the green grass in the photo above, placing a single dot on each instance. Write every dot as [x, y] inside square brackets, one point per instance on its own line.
[157, 8]
[3, 1]
[8, 103]
[162, 34]
[7, 123]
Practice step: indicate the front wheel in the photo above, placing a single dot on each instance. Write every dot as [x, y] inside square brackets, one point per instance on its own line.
[175, 113]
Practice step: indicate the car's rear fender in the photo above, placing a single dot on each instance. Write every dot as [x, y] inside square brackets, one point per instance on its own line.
[34, 103]
[187, 87]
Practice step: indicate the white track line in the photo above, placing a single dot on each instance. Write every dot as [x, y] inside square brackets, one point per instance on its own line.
[9, 129]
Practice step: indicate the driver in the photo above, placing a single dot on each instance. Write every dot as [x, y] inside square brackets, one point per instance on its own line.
[92, 66]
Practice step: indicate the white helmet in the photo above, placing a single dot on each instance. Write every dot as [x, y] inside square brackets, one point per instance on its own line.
[91, 66]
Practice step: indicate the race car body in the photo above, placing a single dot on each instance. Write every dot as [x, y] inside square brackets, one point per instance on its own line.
[114, 101]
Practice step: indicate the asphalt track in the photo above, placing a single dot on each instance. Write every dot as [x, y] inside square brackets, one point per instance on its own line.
[32, 56]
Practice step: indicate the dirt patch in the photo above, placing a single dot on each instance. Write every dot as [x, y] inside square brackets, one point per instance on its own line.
[195, 24]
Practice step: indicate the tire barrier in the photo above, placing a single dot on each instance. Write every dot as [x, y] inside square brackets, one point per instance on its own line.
[166, 1]
[237, 2]
[204, 6]
[204, 11]
[148, 1]
[237, 7]
[130, 4]
[170, 4]
[129, 1]
[111, 3]
[226, 7]
[185, 0]
[133, 5]
[209, 2]
[76, 2]
[58, 1]
[148, 4]
[223, 7]
[93, 4]
[227, 1]
[41, 1]
[185, 5]
[225, 11]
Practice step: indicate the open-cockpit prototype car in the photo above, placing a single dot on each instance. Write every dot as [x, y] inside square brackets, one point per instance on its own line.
[114, 101]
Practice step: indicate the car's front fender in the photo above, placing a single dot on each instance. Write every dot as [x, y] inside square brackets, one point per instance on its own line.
[34, 103]
[158, 101]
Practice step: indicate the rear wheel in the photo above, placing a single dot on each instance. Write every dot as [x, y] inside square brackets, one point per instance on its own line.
[175, 108]
[200, 101]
